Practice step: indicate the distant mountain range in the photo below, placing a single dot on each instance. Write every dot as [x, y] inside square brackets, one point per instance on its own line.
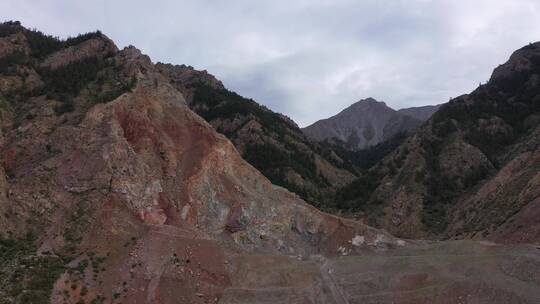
[366, 123]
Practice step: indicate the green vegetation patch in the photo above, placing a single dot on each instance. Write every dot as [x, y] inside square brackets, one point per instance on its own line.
[274, 163]
[222, 103]
[9, 62]
[363, 160]
[9, 28]
[42, 45]
[95, 74]
[78, 223]
[65, 82]
[26, 277]
[357, 195]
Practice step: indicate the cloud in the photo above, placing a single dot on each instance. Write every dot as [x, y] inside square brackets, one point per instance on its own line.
[310, 58]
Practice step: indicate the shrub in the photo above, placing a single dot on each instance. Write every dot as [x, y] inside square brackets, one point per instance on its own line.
[9, 28]
[269, 159]
[222, 103]
[357, 195]
[434, 215]
[9, 62]
[42, 45]
[65, 83]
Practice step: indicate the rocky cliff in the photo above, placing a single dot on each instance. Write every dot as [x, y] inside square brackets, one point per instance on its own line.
[114, 191]
[269, 141]
[366, 123]
[471, 171]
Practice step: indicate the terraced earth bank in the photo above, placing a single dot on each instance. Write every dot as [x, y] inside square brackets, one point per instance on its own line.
[113, 191]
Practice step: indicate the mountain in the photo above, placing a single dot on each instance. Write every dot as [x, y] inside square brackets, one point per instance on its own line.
[269, 141]
[471, 171]
[366, 123]
[113, 190]
[422, 113]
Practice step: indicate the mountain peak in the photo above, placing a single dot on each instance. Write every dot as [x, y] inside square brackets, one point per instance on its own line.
[370, 101]
[365, 123]
[522, 61]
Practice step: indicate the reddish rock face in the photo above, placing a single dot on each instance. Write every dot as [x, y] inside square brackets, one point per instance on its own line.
[150, 205]
[148, 187]
[254, 129]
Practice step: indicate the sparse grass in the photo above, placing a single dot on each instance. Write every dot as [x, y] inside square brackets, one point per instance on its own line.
[79, 221]
[25, 276]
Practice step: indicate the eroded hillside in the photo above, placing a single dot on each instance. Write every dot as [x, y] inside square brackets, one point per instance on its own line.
[269, 141]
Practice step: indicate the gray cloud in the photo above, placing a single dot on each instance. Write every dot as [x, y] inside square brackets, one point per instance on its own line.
[310, 58]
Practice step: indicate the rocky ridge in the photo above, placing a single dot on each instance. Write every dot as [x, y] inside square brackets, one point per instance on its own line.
[422, 113]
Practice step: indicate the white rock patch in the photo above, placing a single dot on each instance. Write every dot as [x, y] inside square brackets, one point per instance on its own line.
[185, 211]
[343, 250]
[379, 240]
[358, 240]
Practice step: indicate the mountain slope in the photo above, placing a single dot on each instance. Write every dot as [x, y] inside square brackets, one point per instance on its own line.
[134, 198]
[269, 141]
[363, 124]
[471, 171]
[422, 113]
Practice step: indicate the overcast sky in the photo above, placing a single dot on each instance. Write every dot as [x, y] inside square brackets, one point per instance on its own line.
[309, 59]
